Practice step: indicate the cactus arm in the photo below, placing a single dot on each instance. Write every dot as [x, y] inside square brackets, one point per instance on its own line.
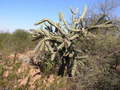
[61, 17]
[83, 14]
[52, 23]
[74, 37]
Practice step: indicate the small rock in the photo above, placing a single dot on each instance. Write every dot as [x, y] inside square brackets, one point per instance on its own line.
[5, 74]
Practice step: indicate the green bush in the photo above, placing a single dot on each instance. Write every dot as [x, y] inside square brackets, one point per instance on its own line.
[18, 41]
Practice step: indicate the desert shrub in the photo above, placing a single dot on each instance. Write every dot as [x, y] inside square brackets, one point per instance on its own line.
[21, 40]
[2, 38]
[18, 41]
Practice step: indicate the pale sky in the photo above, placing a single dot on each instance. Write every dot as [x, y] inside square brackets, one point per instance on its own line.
[22, 14]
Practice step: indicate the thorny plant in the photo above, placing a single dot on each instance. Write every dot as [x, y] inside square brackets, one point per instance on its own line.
[58, 40]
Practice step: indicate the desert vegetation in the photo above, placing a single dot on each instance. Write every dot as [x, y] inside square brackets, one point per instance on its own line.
[82, 54]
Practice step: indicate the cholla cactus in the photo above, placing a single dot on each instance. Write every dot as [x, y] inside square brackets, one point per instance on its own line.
[59, 39]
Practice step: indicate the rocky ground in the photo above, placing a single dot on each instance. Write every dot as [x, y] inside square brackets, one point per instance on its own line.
[19, 75]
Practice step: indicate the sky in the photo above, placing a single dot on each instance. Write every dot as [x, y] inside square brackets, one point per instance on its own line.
[22, 14]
